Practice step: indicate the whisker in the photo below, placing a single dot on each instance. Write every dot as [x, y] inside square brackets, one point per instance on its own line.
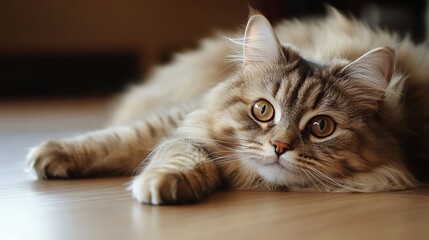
[305, 160]
[333, 181]
[144, 161]
[233, 64]
[216, 141]
[229, 159]
[311, 179]
[320, 181]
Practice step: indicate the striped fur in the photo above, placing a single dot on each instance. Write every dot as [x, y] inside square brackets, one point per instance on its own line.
[190, 129]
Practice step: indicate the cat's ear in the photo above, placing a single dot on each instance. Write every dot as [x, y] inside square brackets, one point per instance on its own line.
[260, 42]
[372, 72]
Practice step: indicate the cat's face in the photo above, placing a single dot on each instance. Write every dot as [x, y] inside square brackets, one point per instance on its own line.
[294, 123]
[293, 127]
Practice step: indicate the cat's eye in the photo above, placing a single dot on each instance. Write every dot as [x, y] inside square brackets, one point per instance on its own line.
[262, 110]
[321, 126]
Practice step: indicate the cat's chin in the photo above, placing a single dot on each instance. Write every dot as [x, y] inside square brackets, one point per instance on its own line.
[281, 173]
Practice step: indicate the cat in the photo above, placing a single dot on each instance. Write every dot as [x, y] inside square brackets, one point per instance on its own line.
[326, 104]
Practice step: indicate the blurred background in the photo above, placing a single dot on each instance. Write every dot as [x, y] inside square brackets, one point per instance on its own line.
[52, 48]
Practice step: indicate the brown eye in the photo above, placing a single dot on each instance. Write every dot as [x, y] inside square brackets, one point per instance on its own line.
[263, 111]
[321, 126]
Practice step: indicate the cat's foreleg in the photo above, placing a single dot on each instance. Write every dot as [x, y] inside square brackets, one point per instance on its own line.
[112, 151]
[180, 171]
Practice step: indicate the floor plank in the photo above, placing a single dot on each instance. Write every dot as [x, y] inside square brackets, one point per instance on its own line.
[103, 208]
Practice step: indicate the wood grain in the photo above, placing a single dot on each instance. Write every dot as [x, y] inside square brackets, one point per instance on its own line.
[103, 208]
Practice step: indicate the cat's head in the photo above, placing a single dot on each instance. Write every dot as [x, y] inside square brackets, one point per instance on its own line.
[284, 121]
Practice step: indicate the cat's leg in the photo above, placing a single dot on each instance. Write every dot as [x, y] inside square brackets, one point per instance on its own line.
[112, 151]
[180, 171]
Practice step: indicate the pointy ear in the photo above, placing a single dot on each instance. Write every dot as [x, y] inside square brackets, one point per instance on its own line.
[372, 72]
[260, 43]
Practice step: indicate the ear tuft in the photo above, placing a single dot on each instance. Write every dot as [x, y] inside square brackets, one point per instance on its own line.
[372, 72]
[260, 42]
[375, 66]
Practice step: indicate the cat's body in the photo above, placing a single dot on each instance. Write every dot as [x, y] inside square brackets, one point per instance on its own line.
[334, 115]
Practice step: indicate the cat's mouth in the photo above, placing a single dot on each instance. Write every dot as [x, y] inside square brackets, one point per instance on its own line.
[280, 171]
[275, 164]
[283, 165]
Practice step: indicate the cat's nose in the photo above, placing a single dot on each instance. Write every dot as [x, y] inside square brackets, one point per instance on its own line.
[280, 147]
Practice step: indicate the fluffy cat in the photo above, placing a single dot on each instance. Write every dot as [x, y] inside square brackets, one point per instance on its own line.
[318, 105]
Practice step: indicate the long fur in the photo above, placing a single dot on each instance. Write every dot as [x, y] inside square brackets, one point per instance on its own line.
[189, 128]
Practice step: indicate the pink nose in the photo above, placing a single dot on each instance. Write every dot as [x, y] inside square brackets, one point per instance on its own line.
[280, 147]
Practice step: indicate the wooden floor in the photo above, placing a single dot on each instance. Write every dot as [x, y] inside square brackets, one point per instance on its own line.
[103, 209]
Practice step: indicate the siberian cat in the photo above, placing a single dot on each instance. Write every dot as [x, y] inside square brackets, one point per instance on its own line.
[318, 105]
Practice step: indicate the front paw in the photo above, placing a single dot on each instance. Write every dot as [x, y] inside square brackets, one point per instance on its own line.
[49, 160]
[160, 186]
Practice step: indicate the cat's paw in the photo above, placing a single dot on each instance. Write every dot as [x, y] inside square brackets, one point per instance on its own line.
[160, 186]
[49, 160]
